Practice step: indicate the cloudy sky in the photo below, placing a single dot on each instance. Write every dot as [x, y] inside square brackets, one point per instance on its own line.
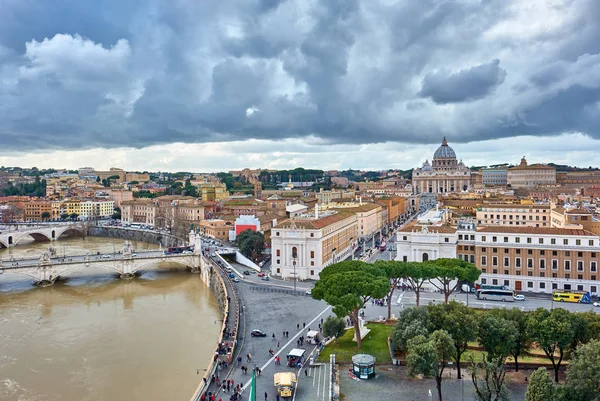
[214, 85]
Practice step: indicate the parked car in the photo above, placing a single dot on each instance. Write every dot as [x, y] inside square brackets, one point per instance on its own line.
[265, 278]
[308, 292]
[105, 256]
[258, 333]
[231, 275]
[235, 280]
[246, 273]
[519, 297]
[596, 303]
[187, 252]
[261, 274]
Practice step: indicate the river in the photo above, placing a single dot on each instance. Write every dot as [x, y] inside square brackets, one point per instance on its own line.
[95, 337]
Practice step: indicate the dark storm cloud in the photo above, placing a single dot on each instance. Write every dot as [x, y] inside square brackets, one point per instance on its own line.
[143, 72]
[463, 86]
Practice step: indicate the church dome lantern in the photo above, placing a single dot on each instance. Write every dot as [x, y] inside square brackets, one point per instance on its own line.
[444, 151]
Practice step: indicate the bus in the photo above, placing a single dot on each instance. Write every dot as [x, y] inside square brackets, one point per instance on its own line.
[582, 297]
[495, 295]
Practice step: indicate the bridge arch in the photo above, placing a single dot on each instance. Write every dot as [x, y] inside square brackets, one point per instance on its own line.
[180, 261]
[66, 269]
[20, 272]
[69, 230]
[3, 244]
[37, 236]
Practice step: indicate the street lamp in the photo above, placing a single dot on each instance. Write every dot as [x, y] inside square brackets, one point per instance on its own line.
[333, 255]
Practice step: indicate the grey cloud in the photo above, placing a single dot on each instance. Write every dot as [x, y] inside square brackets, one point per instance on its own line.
[466, 85]
[343, 71]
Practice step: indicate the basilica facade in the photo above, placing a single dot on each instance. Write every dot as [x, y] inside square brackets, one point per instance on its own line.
[444, 175]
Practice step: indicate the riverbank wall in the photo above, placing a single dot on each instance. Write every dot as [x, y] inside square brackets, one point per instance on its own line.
[166, 240]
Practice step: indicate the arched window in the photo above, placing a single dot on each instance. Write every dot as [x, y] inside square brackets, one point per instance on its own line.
[294, 252]
[425, 257]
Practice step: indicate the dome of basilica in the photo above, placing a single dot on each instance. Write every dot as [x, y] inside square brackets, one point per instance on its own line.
[444, 151]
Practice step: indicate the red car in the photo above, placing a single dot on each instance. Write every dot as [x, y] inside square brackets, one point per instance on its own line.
[261, 274]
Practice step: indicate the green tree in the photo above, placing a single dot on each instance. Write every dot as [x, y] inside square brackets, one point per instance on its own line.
[117, 213]
[334, 327]
[497, 336]
[451, 273]
[64, 216]
[98, 178]
[583, 374]
[417, 274]
[553, 332]
[459, 321]
[395, 271]
[523, 341]
[411, 323]
[540, 386]
[429, 356]
[251, 243]
[73, 216]
[488, 379]
[348, 286]
[45, 215]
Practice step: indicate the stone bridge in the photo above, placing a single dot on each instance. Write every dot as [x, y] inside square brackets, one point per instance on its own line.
[40, 233]
[49, 267]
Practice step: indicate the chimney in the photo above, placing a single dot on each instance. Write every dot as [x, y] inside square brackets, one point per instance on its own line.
[316, 210]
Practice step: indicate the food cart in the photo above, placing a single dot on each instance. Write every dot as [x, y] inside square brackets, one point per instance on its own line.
[312, 337]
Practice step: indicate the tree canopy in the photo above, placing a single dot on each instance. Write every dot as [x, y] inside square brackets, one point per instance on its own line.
[451, 273]
[583, 374]
[251, 243]
[348, 286]
[497, 336]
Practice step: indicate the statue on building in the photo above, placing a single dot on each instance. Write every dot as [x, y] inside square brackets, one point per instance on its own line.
[127, 248]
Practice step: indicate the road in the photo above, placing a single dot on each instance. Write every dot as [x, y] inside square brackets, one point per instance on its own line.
[403, 299]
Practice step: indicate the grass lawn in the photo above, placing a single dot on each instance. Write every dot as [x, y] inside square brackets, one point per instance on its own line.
[375, 343]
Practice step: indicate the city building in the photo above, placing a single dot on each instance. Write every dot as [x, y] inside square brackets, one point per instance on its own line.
[369, 216]
[96, 209]
[538, 259]
[139, 211]
[529, 176]
[494, 176]
[212, 191]
[422, 242]
[514, 215]
[247, 222]
[445, 174]
[301, 247]
[119, 195]
[578, 178]
[324, 197]
[216, 228]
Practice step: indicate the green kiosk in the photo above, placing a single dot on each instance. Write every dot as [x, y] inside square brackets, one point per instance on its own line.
[363, 366]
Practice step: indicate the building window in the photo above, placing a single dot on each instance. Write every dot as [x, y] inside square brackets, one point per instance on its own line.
[494, 239]
[404, 238]
[593, 266]
[506, 250]
[530, 263]
[312, 254]
[459, 236]
[542, 252]
[483, 281]
[542, 274]
[494, 261]
[591, 242]
[593, 289]
[506, 262]
[577, 242]
[567, 265]
[294, 252]
[553, 241]
[530, 284]
[312, 262]
[567, 253]
[278, 270]
[530, 252]
[472, 258]
[565, 241]
[312, 272]
[554, 264]
[542, 263]
[542, 286]
[484, 249]
[541, 240]
[483, 238]
[518, 251]
[446, 239]
[312, 235]
[278, 262]
[580, 265]
[554, 253]
[506, 272]
[580, 254]
[495, 250]
[518, 240]
[494, 271]
[518, 272]
[529, 240]
[517, 262]
[278, 252]
[483, 261]
[505, 239]
[277, 233]
[405, 258]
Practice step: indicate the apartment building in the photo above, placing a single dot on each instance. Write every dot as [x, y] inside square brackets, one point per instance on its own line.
[524, 175]
[303, 246]
[96, 209]
[216, 228]
[514, 215]
[139, 211]
[538, 259]
[369, 216]
[494, 176]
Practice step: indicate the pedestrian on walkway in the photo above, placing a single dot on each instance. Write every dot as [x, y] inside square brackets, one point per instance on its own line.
[306, 372]
[303, 325]
[277, 397]
[273, 336]
[277, 344]
[266, 396]
[298, 326]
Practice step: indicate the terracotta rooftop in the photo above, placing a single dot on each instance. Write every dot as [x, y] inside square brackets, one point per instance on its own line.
[365, 207]
[535, 230]
[578, 211]
[513, 206]
[533, 167]
[315, 224]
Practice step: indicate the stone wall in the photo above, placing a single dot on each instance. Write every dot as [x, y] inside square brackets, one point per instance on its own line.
[137, 235]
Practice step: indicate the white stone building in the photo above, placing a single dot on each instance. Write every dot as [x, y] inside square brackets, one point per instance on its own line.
[445, 174]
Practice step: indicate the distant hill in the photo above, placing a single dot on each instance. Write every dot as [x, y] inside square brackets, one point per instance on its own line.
[564, 167]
